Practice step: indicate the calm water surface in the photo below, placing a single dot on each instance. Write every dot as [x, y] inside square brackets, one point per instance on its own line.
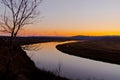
[49, 58]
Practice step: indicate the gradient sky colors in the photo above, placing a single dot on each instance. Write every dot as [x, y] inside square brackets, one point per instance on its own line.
[76, 17]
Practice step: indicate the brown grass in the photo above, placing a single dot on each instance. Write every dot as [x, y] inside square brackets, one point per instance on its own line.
[102, 50]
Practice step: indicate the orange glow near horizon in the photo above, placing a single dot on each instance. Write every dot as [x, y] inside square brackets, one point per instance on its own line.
[42, 31]
[75, 17]
[32, 32]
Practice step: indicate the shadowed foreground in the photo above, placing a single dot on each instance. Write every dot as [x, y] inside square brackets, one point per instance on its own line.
[21, 67]
[102, 50]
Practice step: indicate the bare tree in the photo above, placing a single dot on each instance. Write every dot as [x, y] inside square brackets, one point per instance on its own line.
[17, 14]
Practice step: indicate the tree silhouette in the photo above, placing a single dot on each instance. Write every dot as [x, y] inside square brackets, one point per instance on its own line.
[17, 14]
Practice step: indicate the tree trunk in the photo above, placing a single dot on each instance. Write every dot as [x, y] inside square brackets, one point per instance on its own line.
[10, 52]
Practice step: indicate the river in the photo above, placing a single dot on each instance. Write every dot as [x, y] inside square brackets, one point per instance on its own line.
[47, 57]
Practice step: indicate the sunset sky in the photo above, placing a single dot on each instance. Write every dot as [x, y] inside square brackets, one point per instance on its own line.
[76, 17]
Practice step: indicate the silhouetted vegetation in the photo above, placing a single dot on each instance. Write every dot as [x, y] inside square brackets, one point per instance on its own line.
[17, 14]
[21, 67]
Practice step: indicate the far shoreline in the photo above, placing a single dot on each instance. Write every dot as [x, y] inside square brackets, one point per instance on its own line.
[93, 49]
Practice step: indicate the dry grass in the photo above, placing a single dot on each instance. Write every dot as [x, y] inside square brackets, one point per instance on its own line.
[102, 50]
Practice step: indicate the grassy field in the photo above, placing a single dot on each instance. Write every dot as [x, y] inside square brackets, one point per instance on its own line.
[101, 50]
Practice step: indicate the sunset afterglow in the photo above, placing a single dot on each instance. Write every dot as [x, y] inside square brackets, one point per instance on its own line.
[76, 17]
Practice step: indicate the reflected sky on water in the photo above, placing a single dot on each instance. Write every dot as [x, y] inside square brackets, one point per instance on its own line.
[49, 58]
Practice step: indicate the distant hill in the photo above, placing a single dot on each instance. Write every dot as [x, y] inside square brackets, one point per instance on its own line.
[79, 37]
[37, 39]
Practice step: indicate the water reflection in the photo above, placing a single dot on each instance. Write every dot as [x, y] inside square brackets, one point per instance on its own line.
[49, 58]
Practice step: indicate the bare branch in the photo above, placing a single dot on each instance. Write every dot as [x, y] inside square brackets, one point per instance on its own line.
[22, 12]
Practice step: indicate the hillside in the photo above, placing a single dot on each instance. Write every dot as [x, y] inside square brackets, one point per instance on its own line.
[16, 65]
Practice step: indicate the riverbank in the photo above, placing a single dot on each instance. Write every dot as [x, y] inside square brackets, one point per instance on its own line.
[101, 50]
[33, 40]
[16, 65]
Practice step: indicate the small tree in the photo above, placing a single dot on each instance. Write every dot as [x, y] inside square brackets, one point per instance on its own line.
[17, 14]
